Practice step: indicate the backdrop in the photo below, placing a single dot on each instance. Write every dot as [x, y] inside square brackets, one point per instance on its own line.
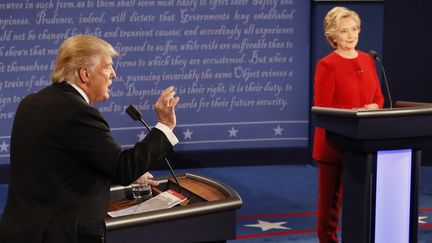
[240, 67]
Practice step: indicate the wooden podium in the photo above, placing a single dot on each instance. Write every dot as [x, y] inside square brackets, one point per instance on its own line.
[381, 162]
[209, 214]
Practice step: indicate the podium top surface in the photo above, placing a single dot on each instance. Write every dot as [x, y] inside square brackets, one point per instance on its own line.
[225, 200]
[406, 123]
[381, 113]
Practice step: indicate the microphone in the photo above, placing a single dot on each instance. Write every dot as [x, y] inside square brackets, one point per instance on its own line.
[375, 57]
[136, 116]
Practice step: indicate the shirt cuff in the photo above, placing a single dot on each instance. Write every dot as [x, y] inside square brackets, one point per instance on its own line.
[167, 131]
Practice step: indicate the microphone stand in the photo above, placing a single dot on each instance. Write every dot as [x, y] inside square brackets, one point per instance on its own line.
[375, 56]
[136, 115]
[386, 82]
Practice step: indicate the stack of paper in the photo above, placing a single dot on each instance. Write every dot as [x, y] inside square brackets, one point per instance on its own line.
[166, 199]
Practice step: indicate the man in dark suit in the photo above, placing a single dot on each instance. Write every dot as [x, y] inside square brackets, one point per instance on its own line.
[63, 157]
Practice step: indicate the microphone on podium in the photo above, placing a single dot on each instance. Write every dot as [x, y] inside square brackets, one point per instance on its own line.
[375, 56]
[136, 116]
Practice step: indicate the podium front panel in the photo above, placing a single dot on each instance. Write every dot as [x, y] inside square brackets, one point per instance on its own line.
[393, 196]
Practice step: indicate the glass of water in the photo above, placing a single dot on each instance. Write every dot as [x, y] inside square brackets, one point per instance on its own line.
[141, 191]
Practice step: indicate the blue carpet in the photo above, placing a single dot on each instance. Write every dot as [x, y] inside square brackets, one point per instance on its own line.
[284, 196]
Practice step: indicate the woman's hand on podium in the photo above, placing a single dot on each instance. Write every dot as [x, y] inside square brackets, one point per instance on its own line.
[371, 106]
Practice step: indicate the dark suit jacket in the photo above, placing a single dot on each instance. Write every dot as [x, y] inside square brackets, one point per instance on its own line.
[63, 161]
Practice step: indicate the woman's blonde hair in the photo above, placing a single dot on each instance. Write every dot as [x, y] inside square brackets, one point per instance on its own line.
[76, 52]
[332, 21]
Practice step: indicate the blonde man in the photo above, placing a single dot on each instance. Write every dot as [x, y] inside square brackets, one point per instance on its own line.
[63, 157]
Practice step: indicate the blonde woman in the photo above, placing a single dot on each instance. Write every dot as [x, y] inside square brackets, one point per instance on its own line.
[345, 78]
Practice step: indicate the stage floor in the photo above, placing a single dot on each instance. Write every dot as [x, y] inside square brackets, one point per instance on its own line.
[279, 201]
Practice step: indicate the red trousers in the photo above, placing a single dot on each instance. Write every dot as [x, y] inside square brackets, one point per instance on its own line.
[329, 200]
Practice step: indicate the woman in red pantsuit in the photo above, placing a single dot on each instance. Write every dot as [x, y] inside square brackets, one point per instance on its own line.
[346, 78]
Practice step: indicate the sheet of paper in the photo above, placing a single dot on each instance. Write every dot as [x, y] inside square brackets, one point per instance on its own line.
[166, 199]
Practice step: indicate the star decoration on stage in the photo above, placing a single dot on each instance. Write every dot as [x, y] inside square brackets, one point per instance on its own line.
[233, 132]
[187, 134]
[278, 131]
[265, 225]
[421, 219]
[141, 136]
[4, 147]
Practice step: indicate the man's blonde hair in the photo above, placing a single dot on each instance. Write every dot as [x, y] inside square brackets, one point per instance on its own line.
[79, 51]
[332, 21]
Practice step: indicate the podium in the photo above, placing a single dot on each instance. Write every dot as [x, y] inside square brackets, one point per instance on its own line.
[208, 215]
[381, 162]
